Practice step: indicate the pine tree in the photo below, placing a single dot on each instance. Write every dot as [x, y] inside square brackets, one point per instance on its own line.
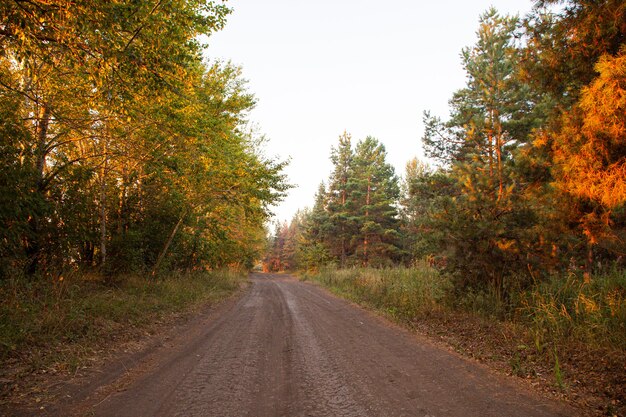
[313, 247]
[481, 221]
[373, 195]
[339, 217]
[571, 151]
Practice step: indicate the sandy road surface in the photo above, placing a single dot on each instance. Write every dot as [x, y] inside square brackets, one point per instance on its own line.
[287, 348]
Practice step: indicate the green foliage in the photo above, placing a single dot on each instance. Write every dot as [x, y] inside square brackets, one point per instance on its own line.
[372, 195]
[355, 219]
[339, 226]
[122, 149]
[534, 179]
[479, 216]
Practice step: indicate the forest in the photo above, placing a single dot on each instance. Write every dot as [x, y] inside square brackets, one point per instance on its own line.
[525, 179]
[132, 187]
[132, 184]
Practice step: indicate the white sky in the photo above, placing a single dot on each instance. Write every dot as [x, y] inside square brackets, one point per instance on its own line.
[320, 67]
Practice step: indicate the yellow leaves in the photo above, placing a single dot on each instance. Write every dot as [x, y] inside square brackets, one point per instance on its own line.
[604, 101]
[541, 139]
[506, 245]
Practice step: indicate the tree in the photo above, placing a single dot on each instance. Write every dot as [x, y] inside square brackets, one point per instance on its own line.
[491, 115]
[481, 218]
[422, 188]
[565, 47]
[373, 193]
[339, 216]
[590, 153]
[316, 226]
[564, 43]
[355, 220]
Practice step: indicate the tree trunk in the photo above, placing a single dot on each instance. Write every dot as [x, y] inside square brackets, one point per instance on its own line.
[343, 228]
[103, 220]
[87, 253]
[167, 246]
[33, 244]
[365, 239]
[499, 156]
[499, 166]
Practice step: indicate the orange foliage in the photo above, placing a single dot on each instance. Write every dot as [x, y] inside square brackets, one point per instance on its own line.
[591, 148]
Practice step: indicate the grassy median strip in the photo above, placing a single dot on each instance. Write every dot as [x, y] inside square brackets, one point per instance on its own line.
[58, 323]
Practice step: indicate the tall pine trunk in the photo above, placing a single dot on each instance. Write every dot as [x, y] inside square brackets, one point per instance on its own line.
[343, 227]
[365, 238]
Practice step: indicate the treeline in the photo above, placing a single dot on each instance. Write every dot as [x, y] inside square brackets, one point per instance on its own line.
[530, 167]
[121, 149]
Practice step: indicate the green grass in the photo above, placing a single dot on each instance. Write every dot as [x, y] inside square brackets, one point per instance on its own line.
[44, 323]
[402, 293]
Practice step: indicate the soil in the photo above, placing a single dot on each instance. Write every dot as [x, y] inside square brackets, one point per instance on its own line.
[594, 379]
[288, 348]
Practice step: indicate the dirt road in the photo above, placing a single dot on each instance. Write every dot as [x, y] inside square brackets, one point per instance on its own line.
[287, 348]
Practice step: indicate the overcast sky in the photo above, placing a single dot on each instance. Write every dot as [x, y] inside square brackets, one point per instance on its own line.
[368, 67]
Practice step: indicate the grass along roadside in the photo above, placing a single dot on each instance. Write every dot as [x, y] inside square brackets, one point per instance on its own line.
[57, 327]
[567, 336]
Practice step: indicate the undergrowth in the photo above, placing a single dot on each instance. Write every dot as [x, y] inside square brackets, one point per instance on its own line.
[590, 311]
[45, 322]
[400, 292]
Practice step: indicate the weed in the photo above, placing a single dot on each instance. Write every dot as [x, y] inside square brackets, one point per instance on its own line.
[402, 293]
[558, 375]
[57, 322]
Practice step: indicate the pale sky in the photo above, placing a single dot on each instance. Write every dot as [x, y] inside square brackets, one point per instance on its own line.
[368, 67]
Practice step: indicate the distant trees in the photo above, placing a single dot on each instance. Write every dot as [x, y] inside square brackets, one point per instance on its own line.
[355, 218]
[373, 194]
[121, 148]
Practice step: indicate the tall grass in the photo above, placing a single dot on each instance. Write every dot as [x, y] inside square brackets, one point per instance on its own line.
[39, 318]
[591, 310]
[401, 292]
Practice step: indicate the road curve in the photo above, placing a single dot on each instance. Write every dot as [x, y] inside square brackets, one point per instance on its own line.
[288, 348]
